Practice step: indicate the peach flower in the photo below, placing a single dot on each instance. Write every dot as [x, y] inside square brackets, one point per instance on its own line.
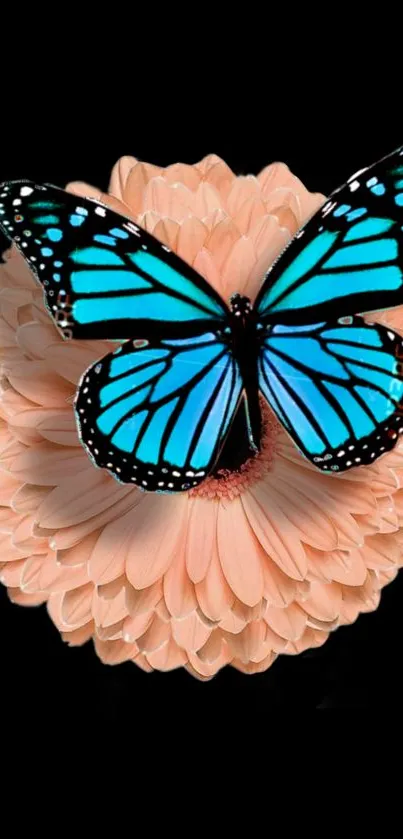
[265, 561]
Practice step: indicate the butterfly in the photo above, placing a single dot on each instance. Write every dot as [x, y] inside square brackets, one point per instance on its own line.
[160, 408]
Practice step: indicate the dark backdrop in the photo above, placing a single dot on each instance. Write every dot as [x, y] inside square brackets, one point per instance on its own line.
[359, 667]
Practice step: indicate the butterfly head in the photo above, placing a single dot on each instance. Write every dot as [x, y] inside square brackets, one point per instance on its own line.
[240, 305]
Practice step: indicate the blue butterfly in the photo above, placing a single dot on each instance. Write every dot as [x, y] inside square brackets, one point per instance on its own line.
[162, 409]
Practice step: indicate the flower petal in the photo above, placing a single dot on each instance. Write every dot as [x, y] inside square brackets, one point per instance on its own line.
[381, 551]
[254, 667]
[156, 636]
[74, 501]
[46, 465]
[346, 567]
[116, 652]
[324, 601]
[111, 551]
[182, 173]
[158, 529]
[289, 623]
[83, 189]
[66, 537]
[190, 632]
[310, 638]
[245, 645]
[76, 605]
[171, 203]
[232, 623]
[279, 588]
[218, 174]
[179, 593]
[191, 238]
[79, 636]
[237, 267]
[123, 168]
[72, 364]
[17, 596]
[8, 487]
[108, 612]
[166, 231]
[10, 573]
[201, 537]
[276, 534]
[7, 335]
[238, 552]
[143, 601]
[133, 628]
[333, 500]
[34, 338]
[213, 592]
[59, 427]
[206, 200]
[206, 668]
[243, 188]
[309, 519]
[206, 267]
[222, 240]
[168, 657]
[34, 381]
[249, 214]
[80, 553]
[212, 649]
[133, 182]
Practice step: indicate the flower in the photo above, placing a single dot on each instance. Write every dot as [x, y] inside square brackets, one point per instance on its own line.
[251, 564]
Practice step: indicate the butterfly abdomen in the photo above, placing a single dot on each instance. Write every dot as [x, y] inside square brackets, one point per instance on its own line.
[245, 351]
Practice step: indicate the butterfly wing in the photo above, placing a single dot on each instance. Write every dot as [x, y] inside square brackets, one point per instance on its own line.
[157, 413]
[348, 259]
[337, 389]
[103, 276]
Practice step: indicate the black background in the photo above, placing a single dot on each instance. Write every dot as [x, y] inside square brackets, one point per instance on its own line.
[359, 667]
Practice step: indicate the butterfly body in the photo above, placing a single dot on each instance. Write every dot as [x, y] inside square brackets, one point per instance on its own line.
[179, 397]
[245, 345]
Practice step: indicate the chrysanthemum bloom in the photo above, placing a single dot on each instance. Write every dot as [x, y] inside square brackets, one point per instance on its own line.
[263, 561]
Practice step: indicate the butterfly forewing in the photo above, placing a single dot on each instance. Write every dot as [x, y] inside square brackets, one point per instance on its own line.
[348, 259]
[103, 276]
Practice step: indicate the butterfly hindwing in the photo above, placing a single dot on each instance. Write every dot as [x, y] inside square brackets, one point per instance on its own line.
[337, 388]
[157, 412]
[348, 259]
[103, 276]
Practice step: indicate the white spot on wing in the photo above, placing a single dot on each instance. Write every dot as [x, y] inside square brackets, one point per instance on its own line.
[132, 227]
[354, 185]
[356, 174]
[328, 208]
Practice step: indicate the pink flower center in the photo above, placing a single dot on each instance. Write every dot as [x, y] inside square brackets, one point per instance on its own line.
[228, 483]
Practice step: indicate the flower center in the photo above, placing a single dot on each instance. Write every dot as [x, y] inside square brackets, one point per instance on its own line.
[238, 466]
